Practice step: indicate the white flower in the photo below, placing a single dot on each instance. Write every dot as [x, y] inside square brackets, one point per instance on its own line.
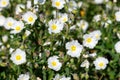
[118, 35]
[35, 2]
[24, 77]
[29, 4]
[58, 77]
[9, 23]
[72, 5]
[117, 47]
[18, 57]
[97, 34]
[55, 26]
[65, 78]
[107, 23]
[114, 1]
[2, 20]
[11, 50]
[1, 43]
[83, 25]
[27, 33]
[73, 27]
[97, 18]
[2, 48]
[59, 4]
[4, 3]
[17, 27]
[63, 17]
[98, 1]
[89, 41]
[85, 55]
[5, 38]
[74, 48]
[11, 36]
[29, 17]
[80, 4]
[109, 6]
[117, 16]
[100, 63]
[19, 8]
[58, 43]
[92, 54]
[39, 1]
[85, 64]
[46, 43]
[54, 12]
[40, 55]
[38, 78]
[42, 1]
[54, 63]
[35, 9]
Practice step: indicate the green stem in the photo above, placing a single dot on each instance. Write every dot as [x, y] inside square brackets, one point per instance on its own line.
[44, 75]
[101, 77]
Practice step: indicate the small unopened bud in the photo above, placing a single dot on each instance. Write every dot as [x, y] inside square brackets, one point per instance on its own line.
[27, 33]
[75, 77]
[40, 55]
[5, 38]
[38, 78]
[114, 1]
[86, 76]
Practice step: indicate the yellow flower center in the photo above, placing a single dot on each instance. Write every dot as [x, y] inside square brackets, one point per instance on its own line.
[73, 48]
[101, 64]
[57, 3]
[10, 24]
[54, 63]
[17, 28]
[64, 19]
[18, 57]
[30, 19]
[54, 27]
[89, 40]
[82, 13]
[82, 26]
[4, 2]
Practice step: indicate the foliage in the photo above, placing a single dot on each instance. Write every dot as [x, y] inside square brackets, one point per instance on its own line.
[37, 53]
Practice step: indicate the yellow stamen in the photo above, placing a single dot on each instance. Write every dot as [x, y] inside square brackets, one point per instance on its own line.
[57, 3]
[54, 27]
[82, 26]
[65, 19]
[30, 19]
[89, 40]
[54, 63]
[4, 2]
[73, 48]
[10, 24]
[17, 28]
[101, 64]
[18, 57]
